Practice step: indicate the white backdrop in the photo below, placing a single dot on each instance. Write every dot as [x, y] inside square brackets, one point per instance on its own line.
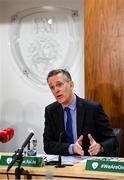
[21, 102]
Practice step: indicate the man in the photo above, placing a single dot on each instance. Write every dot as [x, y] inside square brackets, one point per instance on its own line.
[90, 130]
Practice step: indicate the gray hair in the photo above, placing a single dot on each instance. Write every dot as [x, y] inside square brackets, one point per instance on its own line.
[62, 71]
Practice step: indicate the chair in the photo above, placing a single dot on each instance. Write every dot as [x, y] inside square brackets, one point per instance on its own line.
[117, 132]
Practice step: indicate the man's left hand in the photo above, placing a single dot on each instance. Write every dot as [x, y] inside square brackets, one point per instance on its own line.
[94, 147]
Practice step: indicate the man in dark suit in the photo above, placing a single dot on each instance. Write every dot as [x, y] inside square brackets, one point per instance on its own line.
[91, 133]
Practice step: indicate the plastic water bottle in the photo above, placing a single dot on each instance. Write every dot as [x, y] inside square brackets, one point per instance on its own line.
[32, 147]
[49, 174]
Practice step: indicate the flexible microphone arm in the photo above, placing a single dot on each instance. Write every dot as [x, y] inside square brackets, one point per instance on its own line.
[17, 157]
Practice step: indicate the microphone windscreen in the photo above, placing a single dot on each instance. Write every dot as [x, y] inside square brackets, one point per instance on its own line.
[7, 134]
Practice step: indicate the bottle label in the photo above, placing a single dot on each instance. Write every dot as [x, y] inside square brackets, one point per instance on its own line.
[31, 152]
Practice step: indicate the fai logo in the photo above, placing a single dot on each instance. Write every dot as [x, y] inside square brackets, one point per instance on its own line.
[9, 160]
[42, 39]
[95, 165]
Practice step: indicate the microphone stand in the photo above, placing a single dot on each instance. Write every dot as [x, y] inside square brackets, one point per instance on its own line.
[60, 165]
[19, 170]
[18, 157]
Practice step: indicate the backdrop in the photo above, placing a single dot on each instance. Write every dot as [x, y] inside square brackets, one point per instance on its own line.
[33, 40]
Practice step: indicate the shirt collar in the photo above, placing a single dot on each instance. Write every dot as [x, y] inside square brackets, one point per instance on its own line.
[72, 106]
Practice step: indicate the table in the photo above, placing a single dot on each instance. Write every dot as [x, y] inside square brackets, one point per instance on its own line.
[77, 171]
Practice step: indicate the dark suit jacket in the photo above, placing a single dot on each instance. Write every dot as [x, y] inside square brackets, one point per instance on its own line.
[90, 119]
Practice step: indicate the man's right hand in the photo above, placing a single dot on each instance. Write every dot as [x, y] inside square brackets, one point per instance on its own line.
[77, 149]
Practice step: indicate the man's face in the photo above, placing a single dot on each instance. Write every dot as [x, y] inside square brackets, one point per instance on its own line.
[61, 89]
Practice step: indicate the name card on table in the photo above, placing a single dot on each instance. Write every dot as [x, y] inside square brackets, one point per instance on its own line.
[105, 166]
[31, 161]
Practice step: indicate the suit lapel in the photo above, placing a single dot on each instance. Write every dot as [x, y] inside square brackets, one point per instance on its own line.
[60, 119]
[80, 116]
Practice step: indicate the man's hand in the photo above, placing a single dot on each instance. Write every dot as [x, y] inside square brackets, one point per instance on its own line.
[95, 147]
[77, 149]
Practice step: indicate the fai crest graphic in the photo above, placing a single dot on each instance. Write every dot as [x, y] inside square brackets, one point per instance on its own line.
[95, 165]
[43, 39]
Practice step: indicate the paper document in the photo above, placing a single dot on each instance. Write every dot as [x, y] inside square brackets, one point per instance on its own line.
[75, 159]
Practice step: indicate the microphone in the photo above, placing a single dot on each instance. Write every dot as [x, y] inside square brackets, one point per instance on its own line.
[18, 153]
[60, 165]
[28, 139]
[6, 135]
